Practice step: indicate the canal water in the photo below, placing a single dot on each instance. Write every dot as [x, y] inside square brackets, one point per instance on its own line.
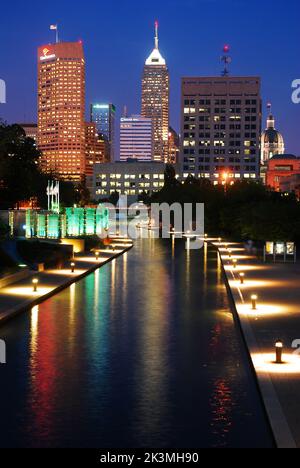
[143, 353]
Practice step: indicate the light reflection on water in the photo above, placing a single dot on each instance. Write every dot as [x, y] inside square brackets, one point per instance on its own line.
[142, 353]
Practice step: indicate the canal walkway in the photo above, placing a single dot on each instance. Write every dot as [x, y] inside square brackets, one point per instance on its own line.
[275, 290]
[22, 295]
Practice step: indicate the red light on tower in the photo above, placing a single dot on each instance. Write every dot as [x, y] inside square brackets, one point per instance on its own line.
[226, 49]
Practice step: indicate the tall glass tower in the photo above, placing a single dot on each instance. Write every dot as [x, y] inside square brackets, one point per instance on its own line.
[104, 116]
[155, 99]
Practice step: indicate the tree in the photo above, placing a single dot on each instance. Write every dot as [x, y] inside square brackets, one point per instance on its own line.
[20, 176]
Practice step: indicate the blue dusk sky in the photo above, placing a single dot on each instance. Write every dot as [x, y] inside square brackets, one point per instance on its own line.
[118, 36]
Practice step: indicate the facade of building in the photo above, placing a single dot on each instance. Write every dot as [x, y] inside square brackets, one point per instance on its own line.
[30, 129]
[136, 138]
[291, 184]
[95, 148]
[61, 109]
[272, 141]
[130, 178]
[221, 128]
[155, 99]
[174, 147]
[104, 116]
[280, 168]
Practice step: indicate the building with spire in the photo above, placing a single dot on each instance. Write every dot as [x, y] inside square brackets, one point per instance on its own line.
[155, 99]
[272, 142]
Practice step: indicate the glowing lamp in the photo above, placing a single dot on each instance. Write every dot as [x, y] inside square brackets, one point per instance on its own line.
[279, 351]
[254, 301]
[234, 262]
[72, 267]
[35, 283]
[230, 253]
[205, 235]
[242, 278]
[220, 240]
[97, 255]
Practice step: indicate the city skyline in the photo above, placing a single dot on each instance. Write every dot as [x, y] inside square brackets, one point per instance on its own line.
[135, 30]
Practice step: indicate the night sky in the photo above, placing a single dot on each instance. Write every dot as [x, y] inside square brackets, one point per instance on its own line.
[118, 36]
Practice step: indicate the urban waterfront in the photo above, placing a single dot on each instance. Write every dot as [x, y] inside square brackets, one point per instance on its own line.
[142, 353]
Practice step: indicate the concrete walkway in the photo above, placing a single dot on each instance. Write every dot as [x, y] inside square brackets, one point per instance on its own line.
[20, 296]
[277, 317]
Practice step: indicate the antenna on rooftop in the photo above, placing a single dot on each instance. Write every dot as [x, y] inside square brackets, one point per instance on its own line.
[226, 59]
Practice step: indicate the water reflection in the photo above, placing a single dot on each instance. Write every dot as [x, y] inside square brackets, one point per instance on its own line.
[142, 353]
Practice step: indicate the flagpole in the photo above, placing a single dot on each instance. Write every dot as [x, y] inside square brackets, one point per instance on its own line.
[48, 193]
[57, 38]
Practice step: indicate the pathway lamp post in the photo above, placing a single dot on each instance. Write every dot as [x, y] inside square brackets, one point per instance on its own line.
[254, 301]
[279, 351]
[35, 283]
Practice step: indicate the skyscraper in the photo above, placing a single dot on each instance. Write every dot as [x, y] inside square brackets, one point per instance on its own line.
[61, 109]
[155, 99]
[174, 146]
[221, 128]
[104, 116]
[272, 141]
[95, 148]
[136, 138]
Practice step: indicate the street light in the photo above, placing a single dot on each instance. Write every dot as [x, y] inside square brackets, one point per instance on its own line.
[254, 301]
[279, 350]
[35, 283]
[72, 267]
[97, 255]
[242, 278]
[220, 240]
[234, 262]
[229, 253]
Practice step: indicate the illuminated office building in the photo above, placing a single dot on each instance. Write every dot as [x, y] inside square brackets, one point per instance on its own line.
[155, 99]
[221, 128]
[136, 138]
[30, 129]
[174, 147]
[104, 116]
[61, 109]
[95, 148]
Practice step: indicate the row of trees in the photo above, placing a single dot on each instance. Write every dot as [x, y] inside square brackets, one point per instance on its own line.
[245, 210]
[20, 174]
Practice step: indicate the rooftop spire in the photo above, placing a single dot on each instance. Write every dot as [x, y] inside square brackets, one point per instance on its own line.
[270, 120]
[156, 57]
[156, 34]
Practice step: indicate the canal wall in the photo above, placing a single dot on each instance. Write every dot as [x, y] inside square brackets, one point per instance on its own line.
[20, 297]
[275, 413]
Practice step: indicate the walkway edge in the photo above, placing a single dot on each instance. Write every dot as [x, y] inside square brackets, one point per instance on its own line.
[13, 312]
[279, 425]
